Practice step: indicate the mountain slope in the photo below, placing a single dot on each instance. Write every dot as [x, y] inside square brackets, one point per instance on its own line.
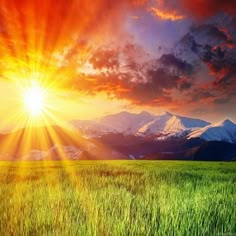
[215, 151]
[178, 123]
[155, 126]
[221, 131]
[207, 151]
[123, 122]
[127, 123]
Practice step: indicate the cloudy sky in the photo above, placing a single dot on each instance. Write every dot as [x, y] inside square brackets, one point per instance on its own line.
[103, 56]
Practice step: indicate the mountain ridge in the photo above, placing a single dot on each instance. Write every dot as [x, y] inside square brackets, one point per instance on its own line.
[125, 136]
[220, 131]
[143, 123]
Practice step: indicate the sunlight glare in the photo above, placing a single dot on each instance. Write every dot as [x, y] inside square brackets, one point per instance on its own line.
[34, 99]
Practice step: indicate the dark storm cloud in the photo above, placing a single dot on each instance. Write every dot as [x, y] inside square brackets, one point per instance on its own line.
[212, 47]
[203, 38]
[210, 31]
[178, 65]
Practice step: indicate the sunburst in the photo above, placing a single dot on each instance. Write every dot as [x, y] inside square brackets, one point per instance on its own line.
[34, 98]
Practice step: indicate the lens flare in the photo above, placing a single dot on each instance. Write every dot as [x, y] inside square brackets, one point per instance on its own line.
[34, 100]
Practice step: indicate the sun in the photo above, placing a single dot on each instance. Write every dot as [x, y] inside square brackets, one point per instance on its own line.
[34, 99]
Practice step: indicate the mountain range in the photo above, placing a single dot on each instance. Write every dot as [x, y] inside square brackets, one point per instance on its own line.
[163, 136]
[162, 127]
[125, 135]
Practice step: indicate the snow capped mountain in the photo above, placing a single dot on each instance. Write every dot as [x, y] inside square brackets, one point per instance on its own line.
[163, 126]
[157, 125]
[124, 122]
[129, 136]
[179, 127]
[127, 123]
[142, 124]
[221, 131]
[179, 123]
[171, 125]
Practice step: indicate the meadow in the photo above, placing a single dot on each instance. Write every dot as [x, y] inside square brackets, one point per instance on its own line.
[117, 198]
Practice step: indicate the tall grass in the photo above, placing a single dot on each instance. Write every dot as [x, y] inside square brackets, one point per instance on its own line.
[117, 198]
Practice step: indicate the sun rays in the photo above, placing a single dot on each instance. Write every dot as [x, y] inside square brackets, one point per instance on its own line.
[41, 53]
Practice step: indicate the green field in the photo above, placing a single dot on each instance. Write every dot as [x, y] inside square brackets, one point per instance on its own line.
[117, 198]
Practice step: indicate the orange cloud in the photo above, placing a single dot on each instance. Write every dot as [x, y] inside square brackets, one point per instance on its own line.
[166, 14]
[135, 17]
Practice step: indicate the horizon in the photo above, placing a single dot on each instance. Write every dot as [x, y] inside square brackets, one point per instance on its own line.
[67, 123]
[69, 126]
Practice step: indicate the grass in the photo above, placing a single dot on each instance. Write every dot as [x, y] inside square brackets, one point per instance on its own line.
[117, 198]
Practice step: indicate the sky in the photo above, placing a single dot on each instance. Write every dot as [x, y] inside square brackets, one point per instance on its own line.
[94, 58]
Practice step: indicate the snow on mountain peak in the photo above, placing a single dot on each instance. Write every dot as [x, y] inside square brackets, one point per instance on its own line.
[145, 113]
[220, 131]
[143, 124]
[156, 125]
[166, 113]
[226, 123]
[127, 123]
[178, 123]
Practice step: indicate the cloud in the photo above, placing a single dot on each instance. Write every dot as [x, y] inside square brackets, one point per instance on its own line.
[199, 9]
[200, 94]
[135, 17]
[44, 28]
[85, 46]
[210, 31]
[223, 100]
[171, 15]
[175, 64]
[105, 59]
[166, 10]
[204, 9]
[127, 73]
[212, 48]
